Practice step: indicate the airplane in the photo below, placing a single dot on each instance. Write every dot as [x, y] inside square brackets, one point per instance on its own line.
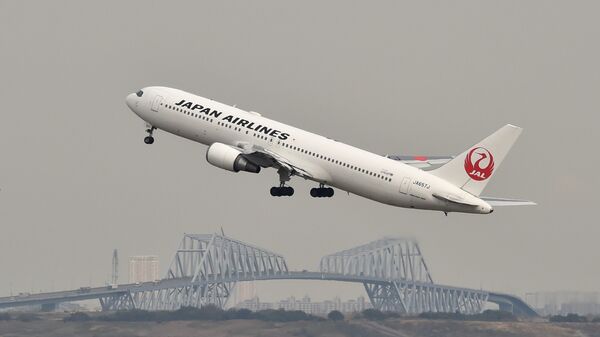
[246, 141]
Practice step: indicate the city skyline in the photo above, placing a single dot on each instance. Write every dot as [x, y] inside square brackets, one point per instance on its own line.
[307, 305]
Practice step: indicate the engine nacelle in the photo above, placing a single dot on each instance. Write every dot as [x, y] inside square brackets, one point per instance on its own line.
[228, 158]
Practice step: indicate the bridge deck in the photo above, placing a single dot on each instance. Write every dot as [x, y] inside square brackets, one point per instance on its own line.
[392, 270]
[99, 292]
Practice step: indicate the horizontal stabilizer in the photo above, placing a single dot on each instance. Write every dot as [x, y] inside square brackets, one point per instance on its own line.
[422, 162]
[507, 202]
[454, 199]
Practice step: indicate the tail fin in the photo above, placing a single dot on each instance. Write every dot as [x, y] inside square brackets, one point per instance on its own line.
[472, 169]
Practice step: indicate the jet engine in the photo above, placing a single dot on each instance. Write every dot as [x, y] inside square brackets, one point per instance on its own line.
[228, 158]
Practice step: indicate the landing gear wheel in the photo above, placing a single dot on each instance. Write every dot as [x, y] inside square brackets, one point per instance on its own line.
[149, 139]
[329, 192]
[282, 191]
[321, 192]
[275, 192]
[314, 192]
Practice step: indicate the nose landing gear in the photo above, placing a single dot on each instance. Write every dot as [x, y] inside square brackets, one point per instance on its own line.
[149, 139]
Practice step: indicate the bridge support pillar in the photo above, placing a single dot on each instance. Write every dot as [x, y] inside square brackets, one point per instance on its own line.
[117, 302]
[508, 307]
[385, 297]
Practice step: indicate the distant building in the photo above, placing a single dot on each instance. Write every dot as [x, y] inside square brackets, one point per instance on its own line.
[580, 308]
[143, 268]
[564, 302]
[244, 291]
[305, 304]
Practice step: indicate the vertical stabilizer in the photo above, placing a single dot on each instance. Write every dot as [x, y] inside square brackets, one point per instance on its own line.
[472, 169]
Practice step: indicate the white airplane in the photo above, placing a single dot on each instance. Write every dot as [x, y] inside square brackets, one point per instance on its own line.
[241, 140]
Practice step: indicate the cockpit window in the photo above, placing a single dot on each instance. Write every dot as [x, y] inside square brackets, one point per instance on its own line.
[139, 93]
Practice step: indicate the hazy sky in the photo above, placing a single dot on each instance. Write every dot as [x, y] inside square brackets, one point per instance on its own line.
[422, 77]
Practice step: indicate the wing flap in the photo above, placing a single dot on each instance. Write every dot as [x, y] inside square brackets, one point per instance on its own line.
[268, 158]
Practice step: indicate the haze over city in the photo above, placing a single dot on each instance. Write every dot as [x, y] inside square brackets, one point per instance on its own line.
[77, 181]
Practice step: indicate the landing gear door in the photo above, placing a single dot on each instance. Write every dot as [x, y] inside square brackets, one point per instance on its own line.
[405, 185]
[156, 103]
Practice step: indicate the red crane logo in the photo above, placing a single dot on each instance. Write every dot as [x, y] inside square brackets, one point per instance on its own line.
[481, 167]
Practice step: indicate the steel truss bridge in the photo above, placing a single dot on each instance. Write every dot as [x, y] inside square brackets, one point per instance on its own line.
[206, 268]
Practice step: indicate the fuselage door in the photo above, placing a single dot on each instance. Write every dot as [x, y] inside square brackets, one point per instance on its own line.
[156, 103]
[405, 185]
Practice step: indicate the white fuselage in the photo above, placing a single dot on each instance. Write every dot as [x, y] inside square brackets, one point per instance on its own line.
[331, 162]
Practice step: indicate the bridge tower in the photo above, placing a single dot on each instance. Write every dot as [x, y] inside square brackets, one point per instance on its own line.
[203, 271]
[398, 279]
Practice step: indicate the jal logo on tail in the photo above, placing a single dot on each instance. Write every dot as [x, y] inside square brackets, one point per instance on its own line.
[479, 163]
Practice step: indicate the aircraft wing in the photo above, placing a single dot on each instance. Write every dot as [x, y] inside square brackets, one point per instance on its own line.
[422, 162]
[507, 202]
[268, 158]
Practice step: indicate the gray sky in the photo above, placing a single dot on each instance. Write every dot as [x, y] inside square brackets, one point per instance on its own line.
[390, 77]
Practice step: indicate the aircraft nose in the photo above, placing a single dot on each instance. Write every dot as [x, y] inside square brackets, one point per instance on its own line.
[131, 100]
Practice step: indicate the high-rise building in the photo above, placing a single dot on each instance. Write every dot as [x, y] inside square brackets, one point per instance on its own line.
[115, 268]
[143, 268]
[243, 291]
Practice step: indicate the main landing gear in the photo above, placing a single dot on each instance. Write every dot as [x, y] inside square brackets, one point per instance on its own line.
[149, 139]
[282, 191]
[321, 192]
